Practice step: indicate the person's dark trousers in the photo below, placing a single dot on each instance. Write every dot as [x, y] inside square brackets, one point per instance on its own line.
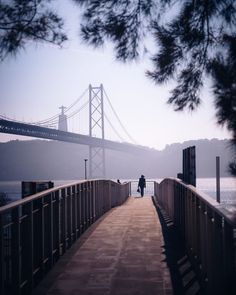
[142, 191]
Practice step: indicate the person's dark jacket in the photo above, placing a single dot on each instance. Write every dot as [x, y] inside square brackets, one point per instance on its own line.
[142, 182]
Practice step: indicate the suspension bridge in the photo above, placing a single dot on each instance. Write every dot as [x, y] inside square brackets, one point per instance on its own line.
[92, 100]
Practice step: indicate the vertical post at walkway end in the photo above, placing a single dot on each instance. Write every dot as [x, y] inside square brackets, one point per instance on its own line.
[85, 168]
[218, 179]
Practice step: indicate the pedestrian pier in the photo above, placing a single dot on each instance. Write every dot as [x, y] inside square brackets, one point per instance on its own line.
[121, 254]
[94, 237]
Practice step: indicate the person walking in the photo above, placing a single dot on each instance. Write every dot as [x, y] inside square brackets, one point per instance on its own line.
[142, 184]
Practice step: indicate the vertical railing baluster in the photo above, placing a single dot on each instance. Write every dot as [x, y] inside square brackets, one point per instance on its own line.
[42, 236]
[51, 230]
[63, 221]
[98, 189]
[29, 238]
[96, 200]
[16, 253]
[218, 265]
[78, 216]
[86, 204]
[109, 195]
[229, 259]
[57, 226]
[91, 202]
[209, 249]
[80, 208]
[74, 213]
[2, 262]
[82, 190]
[69, 216]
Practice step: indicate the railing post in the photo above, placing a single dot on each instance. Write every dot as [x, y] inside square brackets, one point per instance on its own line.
[229, 259]
[93, 187]
[89, 203]
[2, 264]
[16, 255]
[57, 224]
[42, 226]
[109, 195]
[210, 251]
[74, 213]
[78, 196]
[69, 216]
[51, 229]
[218, 265]
[29, 239]
[82, 202]
[63, 221]
[86, 213]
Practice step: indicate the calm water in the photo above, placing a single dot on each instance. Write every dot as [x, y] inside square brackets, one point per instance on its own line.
[13, 188]
[206, 185]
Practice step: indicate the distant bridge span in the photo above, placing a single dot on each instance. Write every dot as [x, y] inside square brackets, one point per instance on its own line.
[17, 128]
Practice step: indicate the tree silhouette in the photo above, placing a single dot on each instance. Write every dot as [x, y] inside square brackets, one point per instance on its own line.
[24, 20]
[195, 39]
[223, 71]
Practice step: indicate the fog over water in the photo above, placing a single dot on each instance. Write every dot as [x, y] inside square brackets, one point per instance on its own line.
[45, 160]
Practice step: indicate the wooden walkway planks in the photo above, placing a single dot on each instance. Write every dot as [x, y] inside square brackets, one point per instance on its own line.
[122, 255]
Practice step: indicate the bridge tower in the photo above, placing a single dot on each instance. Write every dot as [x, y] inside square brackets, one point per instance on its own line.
[62, 123]
[96, 129]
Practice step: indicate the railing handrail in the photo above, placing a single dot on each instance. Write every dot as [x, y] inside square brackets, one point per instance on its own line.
[37, 230]
[221, 209]
[208, 231]
[10, 206]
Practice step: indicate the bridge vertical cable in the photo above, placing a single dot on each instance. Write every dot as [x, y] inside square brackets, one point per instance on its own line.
[118, 119]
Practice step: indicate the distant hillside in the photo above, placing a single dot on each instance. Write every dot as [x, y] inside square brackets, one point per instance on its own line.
[41, 159]
[206, 152]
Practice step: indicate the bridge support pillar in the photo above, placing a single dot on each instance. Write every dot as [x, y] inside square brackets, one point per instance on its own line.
[96, 129]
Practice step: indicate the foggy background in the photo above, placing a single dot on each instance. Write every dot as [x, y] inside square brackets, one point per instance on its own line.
[52, 160]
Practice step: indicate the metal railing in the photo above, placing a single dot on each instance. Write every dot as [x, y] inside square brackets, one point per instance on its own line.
[36, 231]
[209, 232]
[148, 191]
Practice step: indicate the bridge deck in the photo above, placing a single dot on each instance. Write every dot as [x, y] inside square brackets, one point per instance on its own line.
[120, 254]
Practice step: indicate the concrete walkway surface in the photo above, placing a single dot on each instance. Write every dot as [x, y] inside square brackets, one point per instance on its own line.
[122, 254]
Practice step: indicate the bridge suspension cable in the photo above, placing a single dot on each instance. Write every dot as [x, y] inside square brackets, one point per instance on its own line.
[77, 100]
[113, 128]
[117, 117]
[54, 119]
[78, 110]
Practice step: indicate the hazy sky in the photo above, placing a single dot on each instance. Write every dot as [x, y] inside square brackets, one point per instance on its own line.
[43, 77]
